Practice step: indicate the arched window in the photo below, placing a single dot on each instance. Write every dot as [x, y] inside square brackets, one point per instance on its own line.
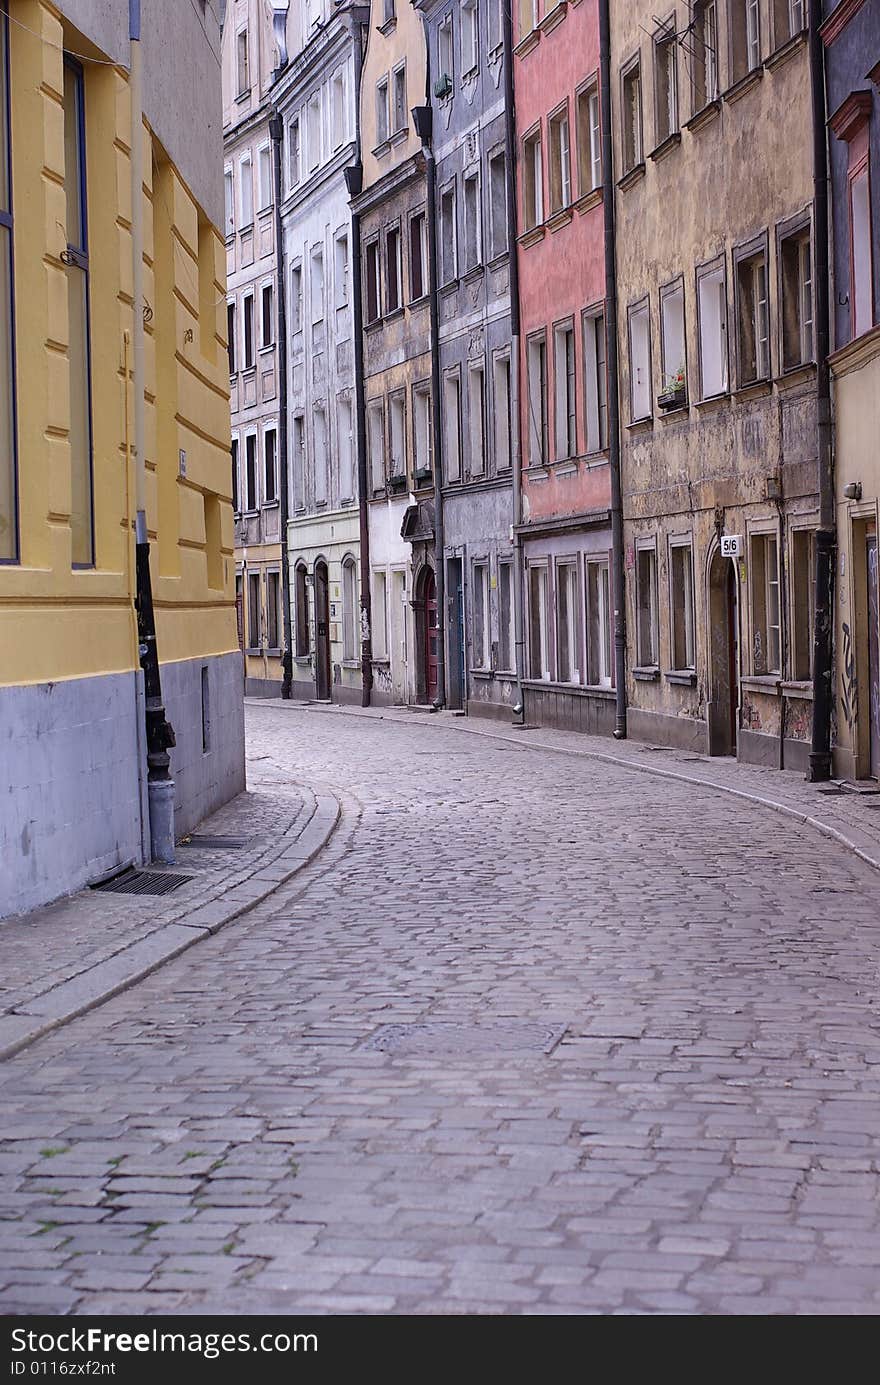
[302, 612]
[350, 620]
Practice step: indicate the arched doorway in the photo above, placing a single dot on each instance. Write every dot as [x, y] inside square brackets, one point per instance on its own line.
[723, 651]
[322, 631]
[427, 634]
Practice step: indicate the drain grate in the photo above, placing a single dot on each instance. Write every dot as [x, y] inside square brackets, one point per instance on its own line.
[205, 840]
[143, 882]
[430, 1040]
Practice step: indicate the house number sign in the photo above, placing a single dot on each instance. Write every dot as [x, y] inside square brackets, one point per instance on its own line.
[731, 546]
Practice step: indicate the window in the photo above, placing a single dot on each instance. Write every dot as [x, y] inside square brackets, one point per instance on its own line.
[417, 257]
[803, 591]
[766, 648]
[380, 616]
[537, 369]
[265, 167]
[681, 568]
[745, 37]
[236, 502]
[501, 412]
[321, 468]
[599, 663]
[229, 200]
[672, 339]
[255, 613]
[470, 36]
[452, 425]
[567, 634]
[273, 610]
[422, 429]
[231, 329]
[316, 265]
[477, 418]
[301, 612]
[861, 294]
[82, 537]
[393, 297]
[712, 323]
[631, 115]
[533, 198]
[350, 621]
[448, 248]
[498, 203]
[248, 306]
[345, 449]
[705, 53]
[267, 315]
[388, 11]
[382, 120]
[294, 164]
[480, 651]
[372, 301]
[251, 499]
[528, 16]
[539, 643]
[789, 18]
[471, 222]
[506, 629]
[341, 269]
[589, 140]
[399, 98]
[446, 64]
[560, 160]
[337, 110]
[647, 640]
[639, 362]
[796, 267]
[313, 119]
[298, 462]
[666, 82]
[566, 406]
[246, 192]
[376, 445]
[296, 298]
[244, 72]
[270, 466]
[397, 420]
[753, 318]
[595, 382]
[496, 23]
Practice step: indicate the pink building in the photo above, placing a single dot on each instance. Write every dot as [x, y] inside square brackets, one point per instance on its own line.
[565, 524]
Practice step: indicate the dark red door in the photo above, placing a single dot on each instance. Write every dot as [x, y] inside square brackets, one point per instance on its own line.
[431, 636]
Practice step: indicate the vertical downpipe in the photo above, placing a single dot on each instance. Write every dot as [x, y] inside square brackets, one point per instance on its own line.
[515, 428]
[160, 735]
[276, 133]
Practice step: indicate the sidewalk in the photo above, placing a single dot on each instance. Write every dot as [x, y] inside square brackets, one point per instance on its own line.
[848, 814]
[63, 959]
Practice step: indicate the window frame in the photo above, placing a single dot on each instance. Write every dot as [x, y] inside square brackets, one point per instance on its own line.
[569, 563]
[468, 68]
[78, 259]
[502, 361]
[700, 10]
[642, 546]
[859, 168]
[248, 358]
[559, 151]
[532, 161]
[453, 458]
[481, 658]
[677, 543]
[269, 502]
[669, 291]
[476, 457]
[245, 161]
[350, 610]
[448, 256]
[266, 195]
[538, 339]
[598, 656]
[640, 307]
[589, 150]
[567, 398]
[748, 255]
[301, 623]
[708, 270]
[420, 216]
[666, 40]
[545, 673]
[278, 621]
[795, 230]
[632, 68]
[254, 583]
[393, 230]
[762, 533]
[248, 434]
[267, 344]
[595, 422]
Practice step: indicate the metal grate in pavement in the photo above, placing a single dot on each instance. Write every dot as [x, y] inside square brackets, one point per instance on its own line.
[143, 882]
[212, 843]
[432, 1039]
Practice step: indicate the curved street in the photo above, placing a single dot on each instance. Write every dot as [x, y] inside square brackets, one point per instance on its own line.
[534, 1033]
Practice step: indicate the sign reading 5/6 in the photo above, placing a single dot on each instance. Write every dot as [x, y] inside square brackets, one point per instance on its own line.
[731, 546]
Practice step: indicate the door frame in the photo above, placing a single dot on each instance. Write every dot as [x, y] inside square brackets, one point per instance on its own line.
[723, 651]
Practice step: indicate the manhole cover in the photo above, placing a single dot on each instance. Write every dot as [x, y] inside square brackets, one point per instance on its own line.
[143, 882]
[475, 1040]
[215, 843]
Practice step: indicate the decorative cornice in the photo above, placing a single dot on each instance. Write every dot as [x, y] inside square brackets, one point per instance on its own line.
[836, 23]
[851, 115]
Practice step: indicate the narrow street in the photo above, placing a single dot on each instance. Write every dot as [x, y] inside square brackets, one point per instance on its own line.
[533, 1033]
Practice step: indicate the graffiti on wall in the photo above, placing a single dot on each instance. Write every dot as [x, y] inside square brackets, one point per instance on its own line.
[849, 692]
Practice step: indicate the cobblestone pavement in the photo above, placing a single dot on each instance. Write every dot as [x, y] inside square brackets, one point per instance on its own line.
[533, 1034]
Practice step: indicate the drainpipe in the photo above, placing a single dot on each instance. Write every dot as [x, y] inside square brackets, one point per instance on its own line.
[276, 133]
[519, 710]
[611, 353]
[160, 734]
[823, 685]
[423, 121]
[354, 176]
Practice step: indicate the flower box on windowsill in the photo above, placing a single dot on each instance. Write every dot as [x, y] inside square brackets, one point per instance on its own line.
[672, 399]
[422, 476]
[443, 86]
[397, 484]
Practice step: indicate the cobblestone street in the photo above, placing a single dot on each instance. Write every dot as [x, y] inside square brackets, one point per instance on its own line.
[533, 1033]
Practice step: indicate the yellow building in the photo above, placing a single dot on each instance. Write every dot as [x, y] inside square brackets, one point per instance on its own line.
[71, 698]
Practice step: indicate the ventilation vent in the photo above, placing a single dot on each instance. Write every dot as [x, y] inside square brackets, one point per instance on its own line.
[143, 882]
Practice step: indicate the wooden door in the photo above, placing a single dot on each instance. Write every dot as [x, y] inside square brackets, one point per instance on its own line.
[322, 632]
[431, 636]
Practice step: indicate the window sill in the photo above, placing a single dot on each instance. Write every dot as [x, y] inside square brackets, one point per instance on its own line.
[666, 146]
[391, 314]
[381, 659]
[560, 218]
[473, 275]
[795, 375]
[302, 660]
[374, 325]
[274, 651]
[686, 678]
[744, 84]
[646, 673]
[243, 96]
[712, 401]
[525, 45]
[553, 17]
[448, 288]
[576, 689]
[498, 260]
[769, 683]
[641, 425]
[798, 688]
[389, 26]
[270, 504]
[267, 348]
[531, 237]
[704, 115]
[351, 663]
[398, 136]
[588, 200]
[255, 651]
[632, 176]
[248, 514]
[380, 150]
[248, 372]
[246, 227]
[675, 412]
[753, 389]
[419, 302]
[485, 675]
[785, 51]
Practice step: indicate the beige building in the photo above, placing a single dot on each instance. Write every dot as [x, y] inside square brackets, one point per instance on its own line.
[717, 381]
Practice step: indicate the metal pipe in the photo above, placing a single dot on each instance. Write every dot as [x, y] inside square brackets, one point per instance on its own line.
[823, 641]
[276, 134]
[515, 428]
[611, 356]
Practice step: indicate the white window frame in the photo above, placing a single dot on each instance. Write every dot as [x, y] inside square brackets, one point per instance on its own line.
[712, 334]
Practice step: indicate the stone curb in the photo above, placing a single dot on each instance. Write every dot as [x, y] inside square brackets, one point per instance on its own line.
[90, 988]
[870, 857]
